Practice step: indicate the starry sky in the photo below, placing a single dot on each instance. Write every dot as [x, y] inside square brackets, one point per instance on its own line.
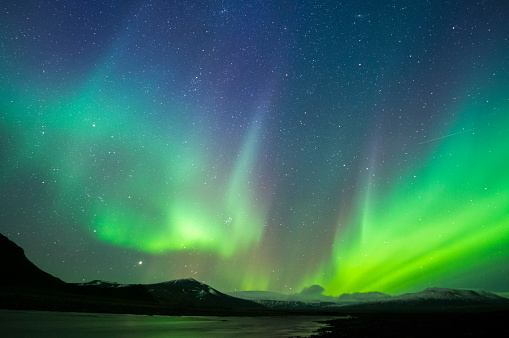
[258, 145]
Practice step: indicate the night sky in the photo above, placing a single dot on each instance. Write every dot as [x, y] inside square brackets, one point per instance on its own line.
[258, 145]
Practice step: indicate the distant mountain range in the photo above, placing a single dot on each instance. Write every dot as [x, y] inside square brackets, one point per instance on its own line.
[429, 300]
[24, 286]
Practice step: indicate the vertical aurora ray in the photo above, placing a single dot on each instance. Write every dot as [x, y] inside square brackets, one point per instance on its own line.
[246, 220]
[443, 223]
[227, 220]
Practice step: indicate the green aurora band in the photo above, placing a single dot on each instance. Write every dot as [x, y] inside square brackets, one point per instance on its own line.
[447, 220]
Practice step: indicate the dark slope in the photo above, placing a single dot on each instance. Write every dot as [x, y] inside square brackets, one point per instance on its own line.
[18, 270]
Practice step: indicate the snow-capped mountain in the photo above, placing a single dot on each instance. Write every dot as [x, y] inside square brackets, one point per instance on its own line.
[436, 300]
[450, 294]
[190, 292]
[188, 286]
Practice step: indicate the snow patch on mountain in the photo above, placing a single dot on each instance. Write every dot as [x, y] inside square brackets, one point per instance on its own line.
[450, 294]
[104, 284]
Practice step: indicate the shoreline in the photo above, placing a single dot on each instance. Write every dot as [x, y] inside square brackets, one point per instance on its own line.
[444, 324]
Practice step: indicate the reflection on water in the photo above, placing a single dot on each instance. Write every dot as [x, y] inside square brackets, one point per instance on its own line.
[58, 324]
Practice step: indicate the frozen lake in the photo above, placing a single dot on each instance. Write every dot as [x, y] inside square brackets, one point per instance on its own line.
[58, 324]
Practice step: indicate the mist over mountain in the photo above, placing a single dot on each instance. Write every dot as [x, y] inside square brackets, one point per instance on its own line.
[311, 295]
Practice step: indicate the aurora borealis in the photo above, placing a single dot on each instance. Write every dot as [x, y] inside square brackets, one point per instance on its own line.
[258, 145]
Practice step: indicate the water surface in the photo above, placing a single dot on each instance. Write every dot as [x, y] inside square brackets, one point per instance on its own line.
[58, 324]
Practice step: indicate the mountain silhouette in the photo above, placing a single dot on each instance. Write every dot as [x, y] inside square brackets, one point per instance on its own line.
[18, 270]
[24, 286]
